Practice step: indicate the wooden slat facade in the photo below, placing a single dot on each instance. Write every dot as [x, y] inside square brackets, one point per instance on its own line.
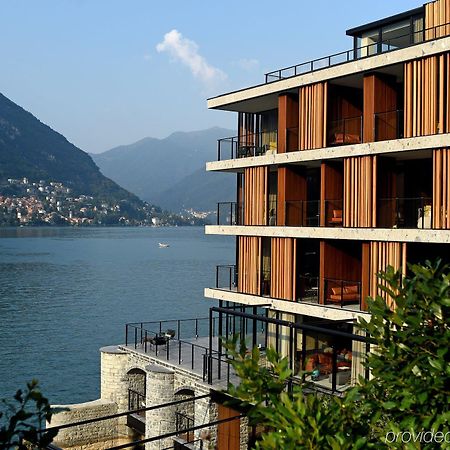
[360, 174]
[437, 13]
[249, 265]
[288, 111]
[283, 268]
[255, 195]
[380, 256]
[248, 128]
[427, 88]
[441, 189]
[312, 116]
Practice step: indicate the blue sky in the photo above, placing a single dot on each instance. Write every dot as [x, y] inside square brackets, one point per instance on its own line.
[93, 69]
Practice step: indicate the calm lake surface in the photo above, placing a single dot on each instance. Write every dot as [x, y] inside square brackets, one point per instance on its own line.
[66, 292]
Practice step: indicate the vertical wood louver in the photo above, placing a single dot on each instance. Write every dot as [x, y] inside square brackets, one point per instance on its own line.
[427, 87]
[255, 195]
[248, 128]
[312, 116]
[360, 191]
[441, 188]
[437, 13]
[249, 265]
[283, 268]
[382, 255]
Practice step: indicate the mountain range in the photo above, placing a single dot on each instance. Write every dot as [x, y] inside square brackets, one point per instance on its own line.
[29, 148]
[171, 172]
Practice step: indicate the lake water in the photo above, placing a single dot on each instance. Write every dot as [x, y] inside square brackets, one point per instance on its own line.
[66, 292]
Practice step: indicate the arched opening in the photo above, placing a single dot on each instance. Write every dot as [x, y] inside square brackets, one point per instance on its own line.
[136, 384]
[184, 414]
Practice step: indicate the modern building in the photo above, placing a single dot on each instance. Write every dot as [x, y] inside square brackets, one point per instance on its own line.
[343, 168]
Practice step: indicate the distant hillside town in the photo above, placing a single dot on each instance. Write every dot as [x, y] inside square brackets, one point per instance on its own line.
[44, 202]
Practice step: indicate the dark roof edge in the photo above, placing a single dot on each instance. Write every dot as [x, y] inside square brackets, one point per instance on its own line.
[385, 21]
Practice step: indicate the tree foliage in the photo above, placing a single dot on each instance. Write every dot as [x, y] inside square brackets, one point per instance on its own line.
[408, 390]
[23, 417]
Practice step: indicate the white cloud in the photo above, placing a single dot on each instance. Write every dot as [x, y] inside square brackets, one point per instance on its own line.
[247, 63]
[186, 51]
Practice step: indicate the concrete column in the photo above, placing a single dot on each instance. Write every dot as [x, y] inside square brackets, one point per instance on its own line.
[160, 389]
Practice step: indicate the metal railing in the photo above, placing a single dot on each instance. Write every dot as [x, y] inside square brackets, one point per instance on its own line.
[230, 213]
[226, 277]
[388, 125]
[388, 45]
[400, 212]
[252, 144]
[302, 213]
[136, 400]
[307, 289]
[342, 292]
[184, 422]
[345, 131]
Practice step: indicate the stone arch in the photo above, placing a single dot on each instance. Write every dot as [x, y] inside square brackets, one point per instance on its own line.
[185, 412]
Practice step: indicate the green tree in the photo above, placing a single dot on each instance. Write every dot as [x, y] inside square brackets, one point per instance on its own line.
[22, 418]
[408, 391]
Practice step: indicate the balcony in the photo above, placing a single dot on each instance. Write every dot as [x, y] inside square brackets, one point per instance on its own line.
[342, 293]
[233, 213]
[339, 293]
[405, 212]
[302, 213]
[388, 125]
[345, 131]
[325, 349]
[359, 52]
[246, 146]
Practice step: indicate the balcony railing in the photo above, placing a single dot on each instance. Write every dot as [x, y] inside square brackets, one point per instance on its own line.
[342, 292]
[307, 289]
[230, 213]
[388, 45]
[405, 212]
[345, 131]
[184, 422]
[226, 277]
[253, 144]
[136, 400]
[302, 213]
[388, 125]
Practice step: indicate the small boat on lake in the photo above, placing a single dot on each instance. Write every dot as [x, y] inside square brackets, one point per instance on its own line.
[163, 245]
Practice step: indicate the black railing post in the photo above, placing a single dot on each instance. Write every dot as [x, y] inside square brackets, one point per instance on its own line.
[210, 345]
[178, 329]
[135, 337]
[145, 341]
[179, 352]
[291, 348]
[126, 335]
[142, 326]
[196, 328]
[217, 277]
[334, 369]
[422, 207]
[192, 356]
[218, 150]
[167, 350]
[254, 343]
